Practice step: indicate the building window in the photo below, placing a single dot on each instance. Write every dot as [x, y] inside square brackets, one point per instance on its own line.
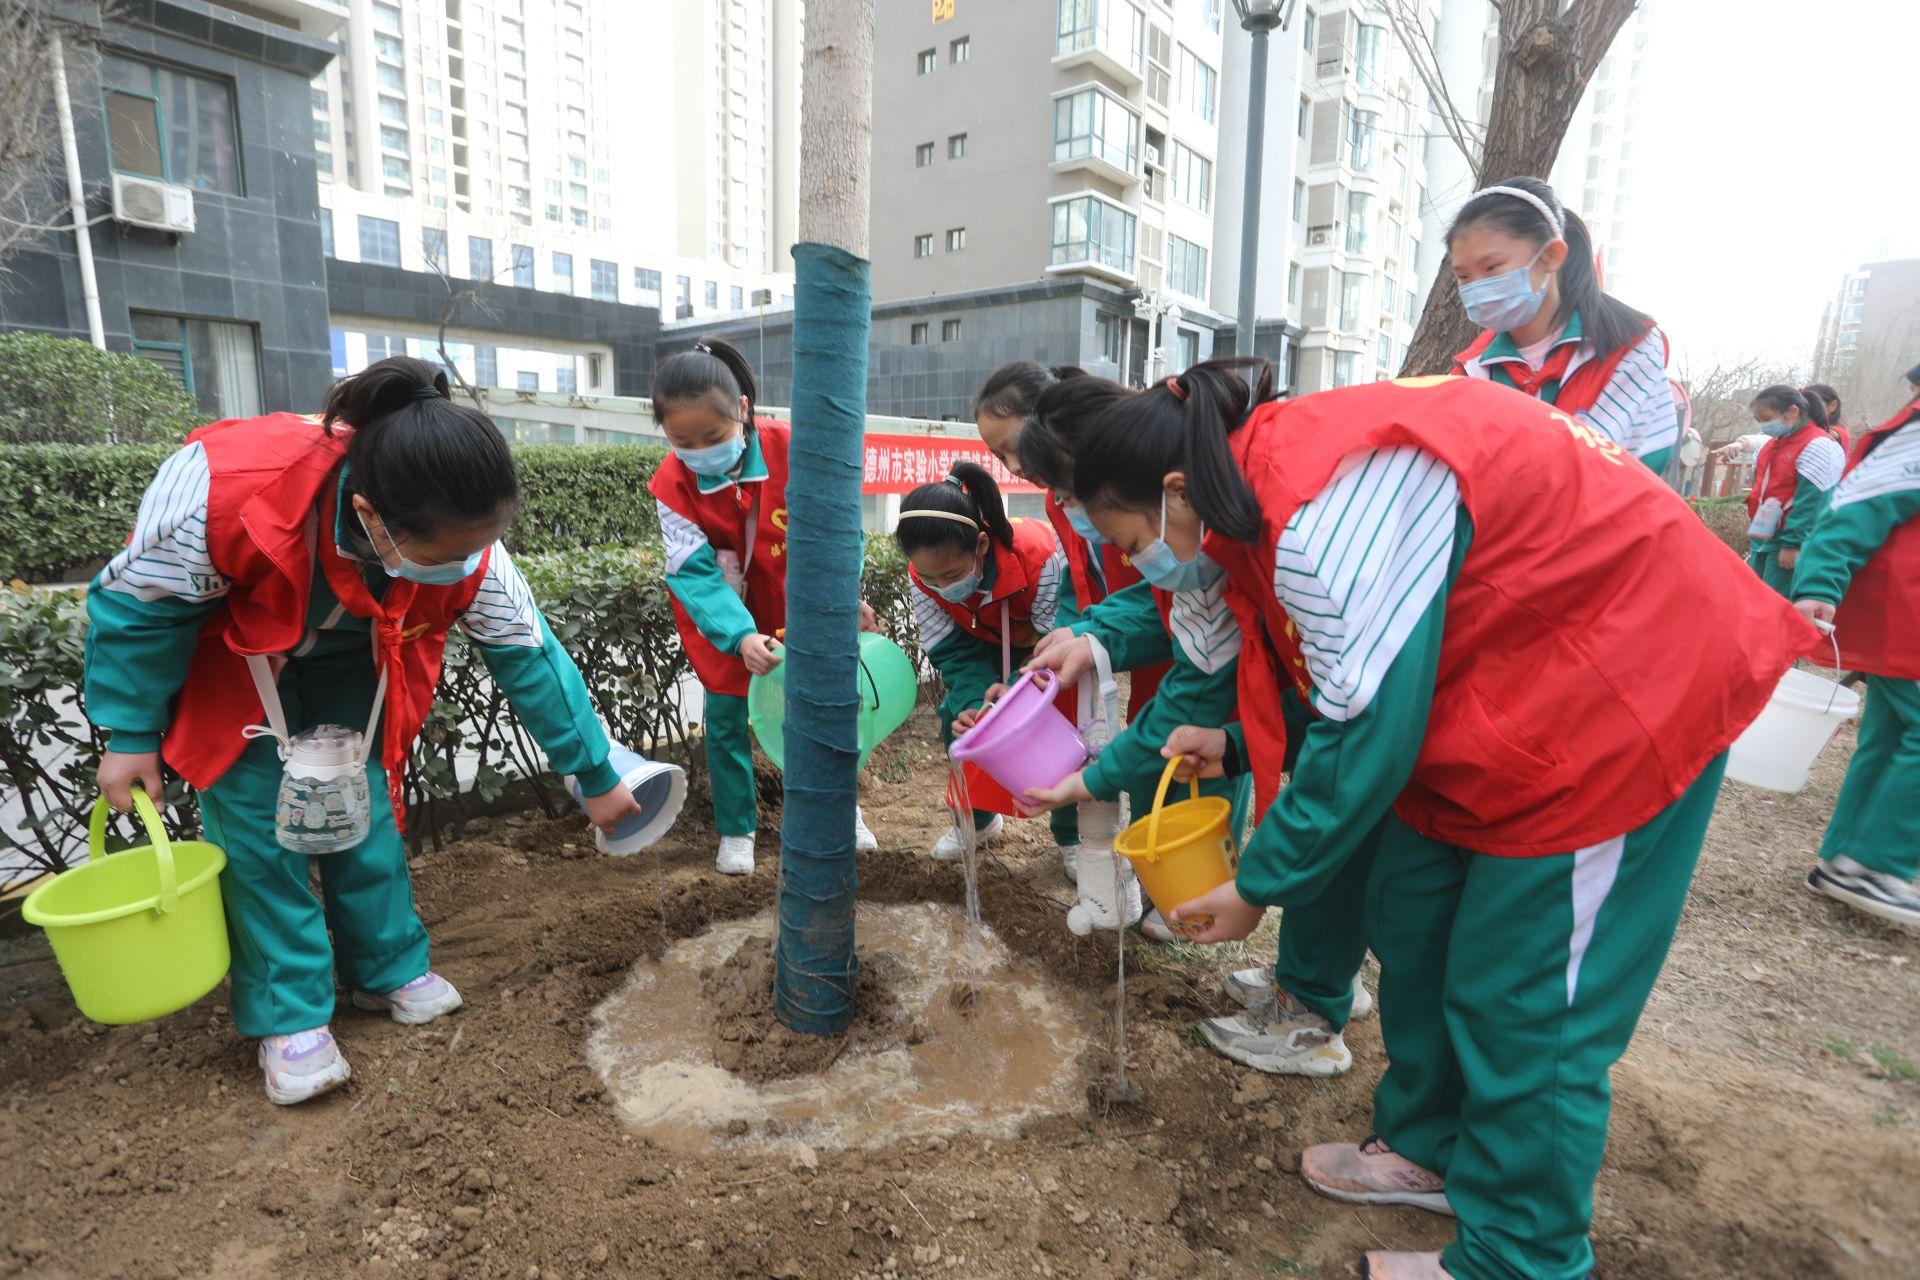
[1106, 337]
[1359, 222]
[434, 241]
[1087, 229]
[960, 50]
[1369, 43]
[604, 277]
[170, 125]
[923, 155]
[1192, 177]
[956, 146]
[925, 61]
[1115, 27]
[646, 280]
[736, 298]
[218, 364]
[326, 233]
[949, 331]
[923, 245]
[479, 258]
[527, 381]
[917, 335]
[956, 239]
[1299, 200]
[1092, 122]
[1186, 268]
[522, 256]
[1346, 368]
[379, 241]
[486, 366]
[563, 273]
[1353, 301]
[1306, 112]
[1187, 344]
[683, 293]
[1193, 83]
[1362, 128]
[710, 295]
[387, 18]
[566, 380]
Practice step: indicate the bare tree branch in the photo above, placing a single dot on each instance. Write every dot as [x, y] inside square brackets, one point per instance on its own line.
[1414, 37]
[458, 296]
[31, 196]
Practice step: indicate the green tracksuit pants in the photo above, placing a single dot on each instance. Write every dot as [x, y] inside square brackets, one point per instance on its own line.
[1876, 821]
[736, 802]
[1765, 560]
[283, 962]
[1509, 987]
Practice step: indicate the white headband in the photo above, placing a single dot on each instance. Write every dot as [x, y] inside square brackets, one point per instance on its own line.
[1546, 210]
[942, 515]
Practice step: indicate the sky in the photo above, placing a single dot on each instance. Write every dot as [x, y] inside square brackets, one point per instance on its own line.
[1777, 150]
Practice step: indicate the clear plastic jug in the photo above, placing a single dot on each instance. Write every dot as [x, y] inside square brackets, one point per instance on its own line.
[325, 805]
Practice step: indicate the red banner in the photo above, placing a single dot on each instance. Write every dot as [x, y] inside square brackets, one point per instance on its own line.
[901, 464]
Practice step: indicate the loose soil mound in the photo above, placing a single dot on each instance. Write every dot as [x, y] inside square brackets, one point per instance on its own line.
[752, 1043]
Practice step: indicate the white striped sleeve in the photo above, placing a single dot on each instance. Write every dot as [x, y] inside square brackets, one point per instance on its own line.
[934, 623]
[503, 613]
[1358, 565]
[167, 555]
[1204, 628]
[1893, 467]
[682, 536]
[1636, 408]
[1046, 597]
[1821, 462]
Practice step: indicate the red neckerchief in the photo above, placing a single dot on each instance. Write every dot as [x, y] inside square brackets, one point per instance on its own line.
[388, 616]
[1553, 369]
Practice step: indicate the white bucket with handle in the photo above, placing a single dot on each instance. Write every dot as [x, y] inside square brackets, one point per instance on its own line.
[1778, 750]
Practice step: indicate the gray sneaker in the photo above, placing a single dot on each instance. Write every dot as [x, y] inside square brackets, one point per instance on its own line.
[1864, 889]
[1252, 988]
[1280, 1038]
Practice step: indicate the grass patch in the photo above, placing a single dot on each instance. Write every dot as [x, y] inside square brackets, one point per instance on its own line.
[1845, 1050]
[1895, 1066]
[1277, 1265]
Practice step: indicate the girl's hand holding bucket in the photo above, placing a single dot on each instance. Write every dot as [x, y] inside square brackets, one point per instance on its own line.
[971, 716]
[121, 771]
[1202, 752]
[1218, 915]
[1063, 651]
[1071, 789]
[610, 808]
[760, 654]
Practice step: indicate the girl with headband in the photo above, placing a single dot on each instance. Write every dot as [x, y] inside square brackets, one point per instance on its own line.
[1527, 276]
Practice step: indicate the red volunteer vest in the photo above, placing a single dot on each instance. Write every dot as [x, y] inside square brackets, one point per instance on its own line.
[269, 509]
[722, 516]
[1878, 622]
[1578, 392]
[1841, 432]
[1016, 581]
[1776, 473]
[1601, 647]
[1089, 590]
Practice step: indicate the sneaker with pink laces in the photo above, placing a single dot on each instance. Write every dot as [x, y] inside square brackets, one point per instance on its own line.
[1371, 1173]
[1405, 1266]
[425, 998]
[301, 1066]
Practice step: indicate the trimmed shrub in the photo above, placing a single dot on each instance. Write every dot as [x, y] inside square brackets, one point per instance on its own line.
[1727, 518]
[65, 391]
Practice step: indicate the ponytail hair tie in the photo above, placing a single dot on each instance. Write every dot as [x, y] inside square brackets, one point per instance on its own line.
[430, 393]
[955, 481]
[1177, 391]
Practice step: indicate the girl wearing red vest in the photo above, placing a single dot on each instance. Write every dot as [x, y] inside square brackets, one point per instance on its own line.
[324, 550]
[986, 589]
[1524, 264]
[1859, 571]
[1476, 580]
[1798, 466]
[1830, 402]
[722, 500]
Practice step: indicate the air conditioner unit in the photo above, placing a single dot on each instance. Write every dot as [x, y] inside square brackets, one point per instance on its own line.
[1320, 237]
[147, 202]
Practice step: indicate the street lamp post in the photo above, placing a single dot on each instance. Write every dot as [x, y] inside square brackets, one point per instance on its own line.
[1258, 18]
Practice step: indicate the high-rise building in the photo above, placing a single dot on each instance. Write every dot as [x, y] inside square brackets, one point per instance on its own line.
[1594, 174]
[1870, 333]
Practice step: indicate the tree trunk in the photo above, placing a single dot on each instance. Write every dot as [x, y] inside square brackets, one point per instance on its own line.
[1546, 59]
[814, 960]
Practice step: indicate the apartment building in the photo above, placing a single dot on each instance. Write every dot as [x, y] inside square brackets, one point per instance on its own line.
[1595, 173]
[1870, 332]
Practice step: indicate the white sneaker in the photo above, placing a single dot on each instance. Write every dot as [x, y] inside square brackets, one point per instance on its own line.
[421, 1001]
[1281, 1038]
[1155, 926]
[736, 856]
[1070, 860]
[864, 841]
[301, 1066]
[1252, 988]
[1864, 889]
[952, 846]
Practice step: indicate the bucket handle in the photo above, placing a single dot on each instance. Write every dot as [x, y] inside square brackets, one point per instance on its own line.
[156, 832]
[1831, 632]
[1160, 797]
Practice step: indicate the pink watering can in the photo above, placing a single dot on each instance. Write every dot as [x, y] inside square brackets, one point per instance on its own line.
[1023, 742]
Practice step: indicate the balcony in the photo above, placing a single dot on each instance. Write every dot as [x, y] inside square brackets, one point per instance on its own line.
[1094, 235]
[1109, 36]
[1096, 132]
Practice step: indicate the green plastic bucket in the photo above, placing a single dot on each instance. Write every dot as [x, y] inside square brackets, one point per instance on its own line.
[139, 934]
[888, 689]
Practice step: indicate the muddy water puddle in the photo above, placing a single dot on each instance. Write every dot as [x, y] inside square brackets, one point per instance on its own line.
[1016, 1052]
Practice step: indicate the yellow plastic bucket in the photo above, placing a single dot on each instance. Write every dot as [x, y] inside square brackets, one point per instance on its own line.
[139, 933]
[1181, 850]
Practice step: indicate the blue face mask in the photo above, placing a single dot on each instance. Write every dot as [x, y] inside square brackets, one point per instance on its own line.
[427, 575]
[1160, 566]
[1083, 525]
[1504, 302]
[1780, 427]
[715, 459]
[960, 592]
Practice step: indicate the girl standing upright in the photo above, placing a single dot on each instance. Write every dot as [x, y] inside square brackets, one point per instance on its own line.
[1525, 267]
[1798, 466]
[722, 498]
[1836, 422]
[308, 571]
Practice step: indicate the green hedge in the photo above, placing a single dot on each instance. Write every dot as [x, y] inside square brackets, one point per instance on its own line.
[64, 391]
[68, 508]
[609, 607]
[1727, 518]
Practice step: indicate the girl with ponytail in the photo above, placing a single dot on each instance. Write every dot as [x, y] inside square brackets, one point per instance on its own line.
[1799, 462]
[1528, 277]
[722, 501]
[1472, 584]
[986, 588]
[306, 571]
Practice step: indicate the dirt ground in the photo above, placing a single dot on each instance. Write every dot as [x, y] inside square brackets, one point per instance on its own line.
[1765, 1119]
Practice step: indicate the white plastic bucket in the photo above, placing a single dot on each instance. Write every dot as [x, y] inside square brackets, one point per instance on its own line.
[659, 789]
[1778, 750]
